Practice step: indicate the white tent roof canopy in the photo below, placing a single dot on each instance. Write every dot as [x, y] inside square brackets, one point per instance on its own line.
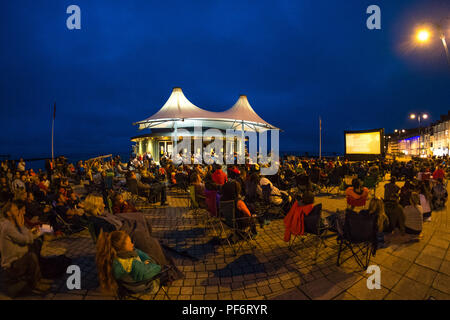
[179, 111]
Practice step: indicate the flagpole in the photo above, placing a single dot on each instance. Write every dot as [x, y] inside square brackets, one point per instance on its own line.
[53, 125]
[320, 138]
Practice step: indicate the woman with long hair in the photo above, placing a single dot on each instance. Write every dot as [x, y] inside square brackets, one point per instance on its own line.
[20, 248]
[117, 259]
[376, 206]
[414, 216]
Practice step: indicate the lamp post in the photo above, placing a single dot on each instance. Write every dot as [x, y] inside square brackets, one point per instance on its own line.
[419, 117]
[424, 35]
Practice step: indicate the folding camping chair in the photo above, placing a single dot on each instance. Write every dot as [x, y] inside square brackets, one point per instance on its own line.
[228, 220]
[267, 204]
[134, 190]
[371, 182]
[66, 227]
[182, 181]
[358, 233]
[135, 290]
[314, 227]
[199, 207]
[334, 181]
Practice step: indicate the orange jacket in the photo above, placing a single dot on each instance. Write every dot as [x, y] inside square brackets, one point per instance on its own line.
[294, 220]
[354, 199]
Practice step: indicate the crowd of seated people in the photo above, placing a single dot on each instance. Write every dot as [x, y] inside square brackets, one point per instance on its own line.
[30, 199]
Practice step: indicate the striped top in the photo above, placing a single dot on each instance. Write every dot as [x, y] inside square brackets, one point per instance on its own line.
[413, 217]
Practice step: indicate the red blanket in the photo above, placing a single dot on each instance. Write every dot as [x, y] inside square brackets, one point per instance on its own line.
[294, 220]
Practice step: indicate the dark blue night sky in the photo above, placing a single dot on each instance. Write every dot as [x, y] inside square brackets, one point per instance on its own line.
[295, 60]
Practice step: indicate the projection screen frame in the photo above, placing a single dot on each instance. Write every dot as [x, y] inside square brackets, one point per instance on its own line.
[365, 156]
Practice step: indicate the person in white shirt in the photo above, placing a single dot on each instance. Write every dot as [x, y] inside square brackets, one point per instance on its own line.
[277, 197]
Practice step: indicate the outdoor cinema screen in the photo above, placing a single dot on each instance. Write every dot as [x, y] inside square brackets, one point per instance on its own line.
[363, 142]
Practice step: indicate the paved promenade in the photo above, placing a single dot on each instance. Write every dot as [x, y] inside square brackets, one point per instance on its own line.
[414, 270]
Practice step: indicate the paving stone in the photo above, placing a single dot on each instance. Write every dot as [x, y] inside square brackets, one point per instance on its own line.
[199, 290]
[238, 295]
[437, 295]
[445, 267]
[396, 264]
[362, 292]
[251, 293]
[447, 256]
[212, 289]
[393, 296]
[65, 296]
[442, 283]
[434, 251]
[174, 290]
[345, 296]
[410, 289]
[225, 296]
[264, 290]
[439, 242]
[294, 294]
[389, 278]
[321, 289]
[275, 287]
[421, 274]
[407, 254]
[343, 280]
[428, 261]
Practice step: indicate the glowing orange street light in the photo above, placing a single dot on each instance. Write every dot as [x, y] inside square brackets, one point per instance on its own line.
[423, 35]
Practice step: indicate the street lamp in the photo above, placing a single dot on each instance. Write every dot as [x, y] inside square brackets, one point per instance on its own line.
[424, 35]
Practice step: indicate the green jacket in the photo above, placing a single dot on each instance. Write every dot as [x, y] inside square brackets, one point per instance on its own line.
[136, 267]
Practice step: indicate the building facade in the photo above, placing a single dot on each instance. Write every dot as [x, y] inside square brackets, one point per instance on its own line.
[433, 140]
[180, 119]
